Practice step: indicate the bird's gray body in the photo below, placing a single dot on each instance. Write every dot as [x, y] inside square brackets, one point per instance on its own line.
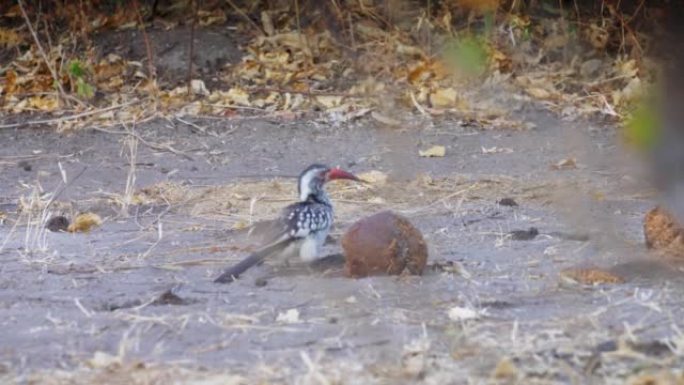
[300, 230]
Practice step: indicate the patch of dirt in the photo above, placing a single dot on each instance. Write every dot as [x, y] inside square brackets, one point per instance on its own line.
[86, 303]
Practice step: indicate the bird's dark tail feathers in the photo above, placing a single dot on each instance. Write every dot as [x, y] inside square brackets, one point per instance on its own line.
[233, 272]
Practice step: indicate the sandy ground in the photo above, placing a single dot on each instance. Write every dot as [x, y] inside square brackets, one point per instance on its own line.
[92, 308]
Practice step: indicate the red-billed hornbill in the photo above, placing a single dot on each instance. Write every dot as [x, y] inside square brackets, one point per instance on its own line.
[302, 227]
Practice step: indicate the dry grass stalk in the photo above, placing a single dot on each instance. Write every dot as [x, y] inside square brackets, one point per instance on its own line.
[35, 236]
[49, 65]
[130, 144]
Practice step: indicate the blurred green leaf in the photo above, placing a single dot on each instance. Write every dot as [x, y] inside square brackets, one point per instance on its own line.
[468, 54]
[489, 23]
[84, 89]
[76, 69]
[642, 126]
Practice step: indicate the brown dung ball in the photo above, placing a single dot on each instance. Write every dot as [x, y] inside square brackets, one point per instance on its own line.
[384, 243]
[664, 233]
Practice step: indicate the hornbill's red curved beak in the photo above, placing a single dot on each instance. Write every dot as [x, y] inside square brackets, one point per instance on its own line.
[338, 173]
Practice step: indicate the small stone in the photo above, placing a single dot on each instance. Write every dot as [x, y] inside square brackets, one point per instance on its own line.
[24, 165]
[524, 235]
[57, 223]
[169, 298]
[508, 202]
[384, 243]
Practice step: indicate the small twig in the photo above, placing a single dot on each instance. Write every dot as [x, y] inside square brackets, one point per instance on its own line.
[132, 144]
[150, 57]
[299, 26]
[272, 115]
[199, 128]
[236, 107]
[64, 187]
[145, 142]
[191, 50]
[62, 93]
[160, 236]
[80, 307]
[420, 108]
[302, 92]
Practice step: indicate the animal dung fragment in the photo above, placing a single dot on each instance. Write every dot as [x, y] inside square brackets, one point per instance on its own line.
[524, 235]
[664, 233]
[508, 202]
[169, 298]
[24, 165]
[57, 223]
[383, 243]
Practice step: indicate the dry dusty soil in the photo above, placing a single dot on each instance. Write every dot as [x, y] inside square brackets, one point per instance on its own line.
[132, 301]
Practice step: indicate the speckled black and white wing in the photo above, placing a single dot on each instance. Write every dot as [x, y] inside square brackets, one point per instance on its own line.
[303, 219]
[302, 229]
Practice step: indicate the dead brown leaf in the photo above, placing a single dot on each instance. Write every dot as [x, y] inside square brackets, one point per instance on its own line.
[84, 222]
[565, 164]
[434, 151]
[590, 276]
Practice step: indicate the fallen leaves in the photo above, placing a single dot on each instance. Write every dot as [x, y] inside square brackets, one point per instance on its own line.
[539, 85]
[292, 69]
[590, 276]
[9, 38]
[444, 97]
[384, 119]
[664, 233]
[104, 360]
[290, 316]
[458, 313]
[505, 370]
[597, 36]
[538, 92]
[496, 150]
[374, 177]
[432, 152]
[198, 88]
[84, 222]
[234, 96]
[565, 164]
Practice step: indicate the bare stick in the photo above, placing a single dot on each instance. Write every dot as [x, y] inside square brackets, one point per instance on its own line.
[299, 27]
[244, 15]
[192, 46]
[155, 146]
[64, 187]
[42, 51]
[132, 144]
[150, 58]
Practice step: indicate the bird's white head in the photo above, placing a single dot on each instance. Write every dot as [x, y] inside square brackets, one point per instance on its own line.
[313, 179]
